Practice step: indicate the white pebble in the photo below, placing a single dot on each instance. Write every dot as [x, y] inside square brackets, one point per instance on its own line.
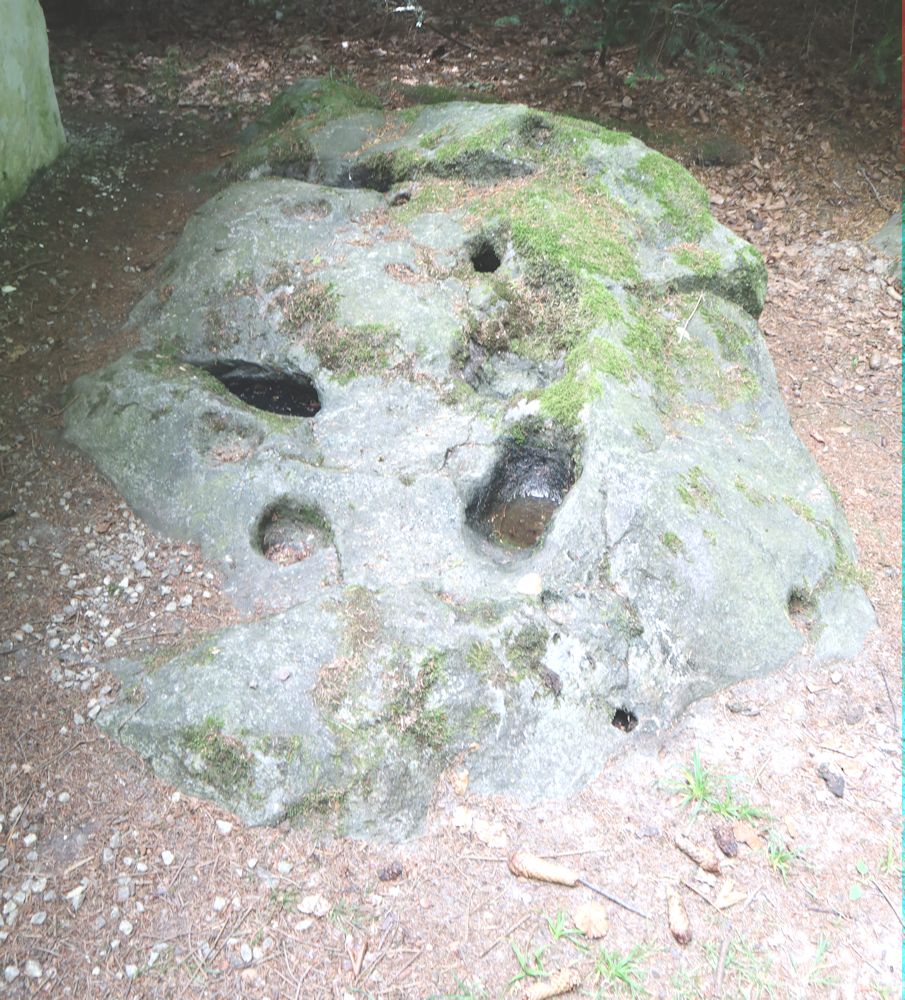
[125, 927]
[33, 969]
[219, 904]
[167, 857]
[224, 826]
[245, 952]
[10, 973]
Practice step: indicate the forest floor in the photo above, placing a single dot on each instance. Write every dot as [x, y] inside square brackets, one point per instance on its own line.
[115, 885]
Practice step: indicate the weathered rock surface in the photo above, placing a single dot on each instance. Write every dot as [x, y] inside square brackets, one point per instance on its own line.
[534, 352]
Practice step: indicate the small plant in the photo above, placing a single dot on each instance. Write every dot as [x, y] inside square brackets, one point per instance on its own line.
[891, 863]
[283, 899]
[622, 972]
[743, 964]
[817, 975]
[780, 856]
[463, 990]
[699, 788]
[561, 930]
[530, 963]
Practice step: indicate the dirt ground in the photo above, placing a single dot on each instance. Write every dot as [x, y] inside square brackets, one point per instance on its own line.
[116, 885]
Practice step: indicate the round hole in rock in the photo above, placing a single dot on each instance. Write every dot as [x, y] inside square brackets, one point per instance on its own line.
[484, 259]
[289, 531]
[624, 719]
[291, 394]
[525, 488]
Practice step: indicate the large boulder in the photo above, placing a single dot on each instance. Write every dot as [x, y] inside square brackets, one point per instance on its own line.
[474, 398]
[31, 133]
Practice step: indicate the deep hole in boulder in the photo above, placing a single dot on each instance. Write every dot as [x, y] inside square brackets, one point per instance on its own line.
[624, 719]
[523, 492]
[291, 394]
[484, 258]
[289, 531]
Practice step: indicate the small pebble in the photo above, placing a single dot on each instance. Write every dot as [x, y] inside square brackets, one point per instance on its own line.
[219, 904]
[835, 782]
[167, 857]
[245, 952]
[125, 927]
[33, 969]
[10, 973]
[224, 827]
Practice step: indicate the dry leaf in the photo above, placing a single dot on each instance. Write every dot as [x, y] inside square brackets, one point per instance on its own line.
[459, 782]
[592, 919]
[728, 895]
[679, 924]
[746, 834]
[701, 856]
[529, 865]
[462, 818]
[560, 982]
[725, 839]
[493, 834]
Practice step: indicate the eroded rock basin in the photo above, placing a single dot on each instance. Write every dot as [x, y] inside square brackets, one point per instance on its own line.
[498, 436]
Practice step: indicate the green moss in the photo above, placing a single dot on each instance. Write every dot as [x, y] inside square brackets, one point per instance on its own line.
[641, 432]
[696, 491]
[227, 764]
[287, 146]
[388, 167]
[803, 510]
[649, 340]
[672, 542]
[705, 263]
[751, 280]
[425, 93]
[409, 713]
[525, 649]
[575, 134]
[565, 232]
[310, 302]
[319, 802]
[733, 337]
[751, 494]
[586, 364]
[351, 351]
[339, 99]
[685, 203]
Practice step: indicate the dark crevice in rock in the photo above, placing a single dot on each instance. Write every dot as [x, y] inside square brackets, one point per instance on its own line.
[527, 485]
[291, 394]
[289, 531]
[624, 719]
[802, 609]
[483, 256]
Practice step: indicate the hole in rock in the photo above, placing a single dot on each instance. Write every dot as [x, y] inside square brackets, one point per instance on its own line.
[484, 259]
[525, 488]
[288, 532]
[802, 610]
[291, 394]
[625, 720]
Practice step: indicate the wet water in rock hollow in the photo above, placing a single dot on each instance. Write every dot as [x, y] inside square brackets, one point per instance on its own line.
[521, 522]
